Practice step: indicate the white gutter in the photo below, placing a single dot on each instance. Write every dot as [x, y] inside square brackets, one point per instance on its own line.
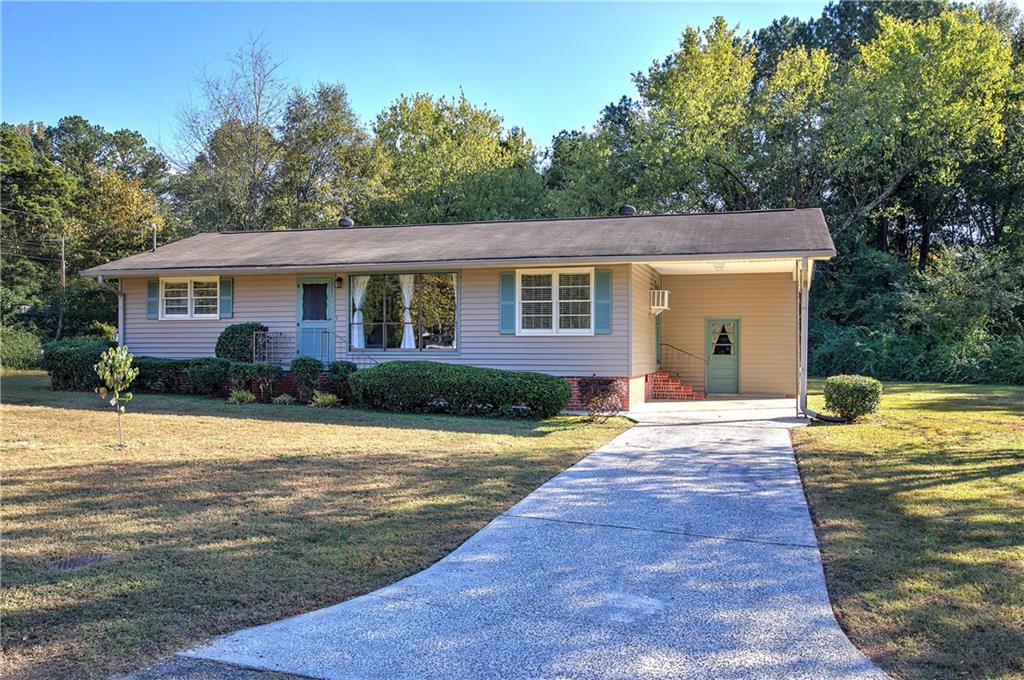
[459, 264]
[120, 308]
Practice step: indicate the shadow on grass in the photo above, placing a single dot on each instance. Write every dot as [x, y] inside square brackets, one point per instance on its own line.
[33, 390]
[906, 540]
[206, 547]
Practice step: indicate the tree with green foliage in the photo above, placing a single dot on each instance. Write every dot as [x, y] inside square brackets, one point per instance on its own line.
[919, 102]
[693, 136]
[329, 168]
[442, 158]
[787, 114]
[116, 372]
[229, 148]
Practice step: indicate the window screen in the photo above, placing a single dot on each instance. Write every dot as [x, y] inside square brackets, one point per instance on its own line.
[314, 302]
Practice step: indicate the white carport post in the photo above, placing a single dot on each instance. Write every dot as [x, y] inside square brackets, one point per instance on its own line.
[804, 292]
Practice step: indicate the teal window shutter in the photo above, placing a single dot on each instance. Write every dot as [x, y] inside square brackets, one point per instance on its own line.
[227, 298]
[507, 322]
[153, 299]
[603, 301]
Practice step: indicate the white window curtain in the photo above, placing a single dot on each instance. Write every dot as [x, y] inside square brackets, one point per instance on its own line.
[407, 282]
[359, 283]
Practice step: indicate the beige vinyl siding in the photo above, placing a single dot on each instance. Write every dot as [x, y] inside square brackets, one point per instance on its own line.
[766, 307]
[269, 299]
[643, 358]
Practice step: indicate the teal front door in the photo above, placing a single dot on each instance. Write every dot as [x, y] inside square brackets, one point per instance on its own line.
[723, 353]
[314, 332]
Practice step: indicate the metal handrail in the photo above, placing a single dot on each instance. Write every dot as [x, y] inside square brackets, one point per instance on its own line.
[360, 353]
[683, 351]
[687, 366]
[280, 347]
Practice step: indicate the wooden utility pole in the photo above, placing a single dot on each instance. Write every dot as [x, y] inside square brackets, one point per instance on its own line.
[63, 286]
[63, 263]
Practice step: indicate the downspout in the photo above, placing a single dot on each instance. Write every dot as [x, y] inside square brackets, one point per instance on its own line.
[804, 285]
[120, 307]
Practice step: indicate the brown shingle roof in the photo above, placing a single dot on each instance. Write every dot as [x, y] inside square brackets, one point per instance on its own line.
[597, 239]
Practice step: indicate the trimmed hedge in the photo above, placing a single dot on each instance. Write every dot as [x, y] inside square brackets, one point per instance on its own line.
[161, 375]
[430, 387]
[70, 362]
[306, 374]
[337, 377]
[19, 348]
[207, 376]
[235, 341]
[852, 396]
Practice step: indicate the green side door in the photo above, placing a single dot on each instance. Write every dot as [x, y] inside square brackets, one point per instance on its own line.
[723, 353]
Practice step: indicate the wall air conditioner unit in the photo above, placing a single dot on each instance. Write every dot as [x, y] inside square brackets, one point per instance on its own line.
[661, 300]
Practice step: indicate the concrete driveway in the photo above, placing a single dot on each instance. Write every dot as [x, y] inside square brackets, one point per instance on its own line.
[683, 548]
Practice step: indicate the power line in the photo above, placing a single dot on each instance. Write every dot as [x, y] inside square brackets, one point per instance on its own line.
[34, 257]
[32, 243]
[98, 225]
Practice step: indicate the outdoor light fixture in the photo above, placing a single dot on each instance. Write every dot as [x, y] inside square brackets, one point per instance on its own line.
[339, 282]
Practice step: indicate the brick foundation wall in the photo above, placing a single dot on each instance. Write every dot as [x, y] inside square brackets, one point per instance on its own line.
[288, 386]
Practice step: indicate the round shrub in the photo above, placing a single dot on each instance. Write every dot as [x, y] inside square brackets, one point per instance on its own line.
[429, 387]
[306, 374]
[337, 377]
[235, 341]
[70, 362]
[852, 396]
[208, 375]
[19, 348]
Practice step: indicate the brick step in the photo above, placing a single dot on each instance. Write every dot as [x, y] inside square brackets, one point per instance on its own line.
[663, 386]
[672, 386]
[685, 397]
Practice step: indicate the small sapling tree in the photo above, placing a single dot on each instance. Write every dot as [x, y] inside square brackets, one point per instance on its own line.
[116, 373]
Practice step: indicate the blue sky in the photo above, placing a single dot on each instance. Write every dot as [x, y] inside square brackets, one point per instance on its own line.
[544, 67]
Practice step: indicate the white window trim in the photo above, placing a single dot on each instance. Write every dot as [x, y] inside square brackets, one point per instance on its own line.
[554, 330]
[191, 297]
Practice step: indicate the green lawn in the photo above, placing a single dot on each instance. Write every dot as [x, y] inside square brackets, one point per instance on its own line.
[919, 510]
[218, 517]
